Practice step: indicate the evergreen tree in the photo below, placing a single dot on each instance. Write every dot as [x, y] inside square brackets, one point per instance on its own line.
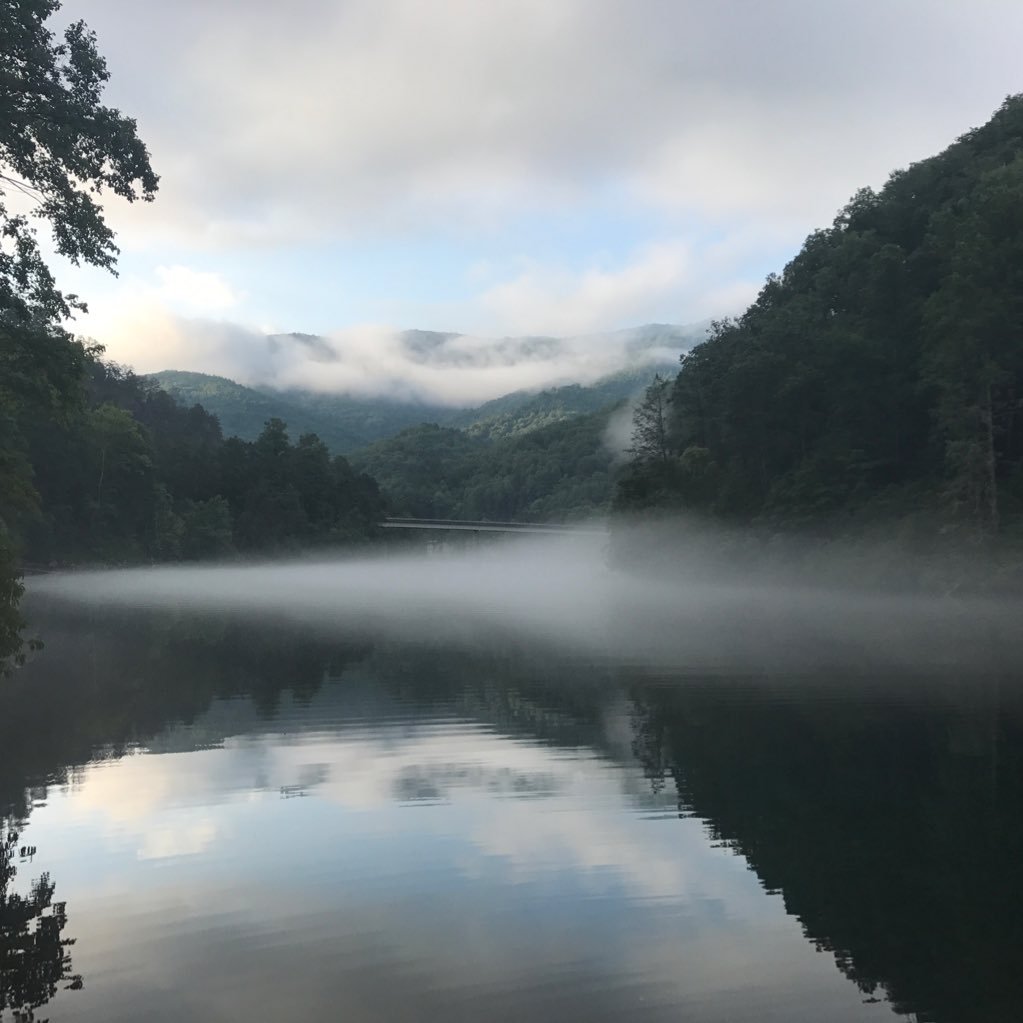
[650, 442]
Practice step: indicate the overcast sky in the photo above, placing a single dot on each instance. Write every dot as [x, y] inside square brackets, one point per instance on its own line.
[504, 167]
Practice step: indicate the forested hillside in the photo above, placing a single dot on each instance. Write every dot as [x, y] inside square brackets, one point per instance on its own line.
[879, 376]
[346, 423]
[519, 413]
[540, 457]
[129, 474]
[343, 422]
[557, 472]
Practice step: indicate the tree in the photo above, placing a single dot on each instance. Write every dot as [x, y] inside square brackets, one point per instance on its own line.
[60, 149]
[650, 424]
[207, 528]
[121, 462]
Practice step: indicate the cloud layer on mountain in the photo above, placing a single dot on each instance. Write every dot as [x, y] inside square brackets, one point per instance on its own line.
[452, 369]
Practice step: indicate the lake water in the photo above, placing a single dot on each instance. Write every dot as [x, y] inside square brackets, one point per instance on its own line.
[247, 819]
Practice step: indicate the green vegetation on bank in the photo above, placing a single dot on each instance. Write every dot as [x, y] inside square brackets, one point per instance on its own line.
[132, 475]
[878, 378]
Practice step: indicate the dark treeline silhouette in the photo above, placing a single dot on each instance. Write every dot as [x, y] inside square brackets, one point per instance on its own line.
[877, 378]
[35, 958]
[95, 464]
[887, 816]
[132, 475]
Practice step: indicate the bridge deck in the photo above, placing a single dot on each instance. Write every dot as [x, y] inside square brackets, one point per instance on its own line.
[495, 527]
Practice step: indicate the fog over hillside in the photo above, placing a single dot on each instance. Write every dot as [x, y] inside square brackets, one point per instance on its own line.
[425, 366]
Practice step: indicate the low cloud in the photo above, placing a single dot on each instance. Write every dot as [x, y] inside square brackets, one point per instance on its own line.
[180, 285]
[452, 369]
[657, 282]
[619, 430]
[563, 302]
[188, 319]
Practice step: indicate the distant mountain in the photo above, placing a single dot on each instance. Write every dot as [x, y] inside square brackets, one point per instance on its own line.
[342, 422]
[347, 423]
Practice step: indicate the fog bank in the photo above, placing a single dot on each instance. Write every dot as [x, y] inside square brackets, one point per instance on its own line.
[561, 591]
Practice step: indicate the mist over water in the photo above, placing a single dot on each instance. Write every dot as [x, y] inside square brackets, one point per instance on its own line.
[562, 591]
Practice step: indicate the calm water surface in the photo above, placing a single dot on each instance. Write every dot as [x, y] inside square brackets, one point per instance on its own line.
[246, 822]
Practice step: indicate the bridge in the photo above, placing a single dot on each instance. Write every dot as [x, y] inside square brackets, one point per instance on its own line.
[466, 525]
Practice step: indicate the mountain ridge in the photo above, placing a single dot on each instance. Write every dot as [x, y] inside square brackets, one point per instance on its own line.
[347, 422]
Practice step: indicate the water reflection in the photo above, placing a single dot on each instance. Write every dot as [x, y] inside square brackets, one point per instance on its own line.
[250, 822]
[104, 685]
[35, 957]
[891, 822]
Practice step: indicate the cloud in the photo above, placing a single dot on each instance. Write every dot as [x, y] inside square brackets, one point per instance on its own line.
[180, 285]
[519, 166]
[562, 302]
[618, 432]
[664, 278]
[450, 369]
[134, 308]
[188, 839]
[182, 319]
[394, 116]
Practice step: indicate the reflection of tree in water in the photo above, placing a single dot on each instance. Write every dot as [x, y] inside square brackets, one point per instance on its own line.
[100, 689]
[34, 957]
[892, 828]
[97, 693]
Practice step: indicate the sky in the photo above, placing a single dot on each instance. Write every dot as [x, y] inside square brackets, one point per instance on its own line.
[350, 168]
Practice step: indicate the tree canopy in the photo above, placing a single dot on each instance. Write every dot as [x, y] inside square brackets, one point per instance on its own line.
[560, 471]
[880, 374]
[60, 147]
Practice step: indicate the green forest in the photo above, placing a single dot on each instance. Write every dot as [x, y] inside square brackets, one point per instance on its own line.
[878, 377]
[553, 473]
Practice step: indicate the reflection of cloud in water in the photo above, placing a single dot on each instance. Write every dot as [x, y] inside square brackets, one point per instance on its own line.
[189, 838]
[583, 896]
[134, 788]
[527, 809]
